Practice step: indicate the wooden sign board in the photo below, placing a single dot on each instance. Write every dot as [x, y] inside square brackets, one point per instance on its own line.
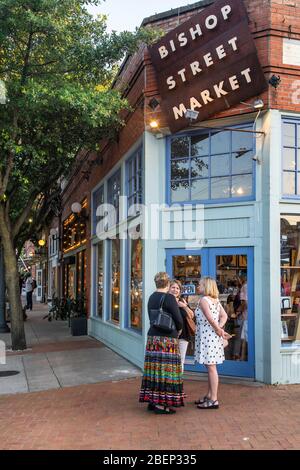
[208, 64]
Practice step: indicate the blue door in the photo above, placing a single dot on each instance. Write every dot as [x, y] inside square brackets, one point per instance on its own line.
[233, 270]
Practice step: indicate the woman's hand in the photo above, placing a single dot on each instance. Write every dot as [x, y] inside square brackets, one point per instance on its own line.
[219, 331]
[226, 335]
[182, 303]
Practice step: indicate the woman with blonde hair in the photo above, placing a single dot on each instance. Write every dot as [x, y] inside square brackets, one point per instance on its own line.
[162, 386]
[210, 338]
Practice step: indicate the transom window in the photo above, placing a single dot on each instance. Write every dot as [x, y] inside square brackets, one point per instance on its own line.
[291, 158]
[214, 165]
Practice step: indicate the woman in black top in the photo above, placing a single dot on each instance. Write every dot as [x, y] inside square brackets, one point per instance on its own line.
[162, 386]
[185, 337]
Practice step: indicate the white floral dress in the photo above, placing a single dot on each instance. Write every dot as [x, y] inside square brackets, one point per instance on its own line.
[209, 347]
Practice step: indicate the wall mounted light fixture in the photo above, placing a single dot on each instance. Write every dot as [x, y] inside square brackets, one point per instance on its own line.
[76, 208]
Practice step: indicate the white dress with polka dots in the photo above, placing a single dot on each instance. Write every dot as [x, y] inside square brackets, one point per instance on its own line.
[209, 347]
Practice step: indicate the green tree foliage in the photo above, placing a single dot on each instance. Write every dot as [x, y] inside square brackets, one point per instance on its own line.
[57, 63]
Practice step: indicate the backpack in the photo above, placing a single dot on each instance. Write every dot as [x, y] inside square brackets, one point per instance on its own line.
[34, 284]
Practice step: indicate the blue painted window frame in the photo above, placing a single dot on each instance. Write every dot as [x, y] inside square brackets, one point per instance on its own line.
[226, 201]
[296, 123]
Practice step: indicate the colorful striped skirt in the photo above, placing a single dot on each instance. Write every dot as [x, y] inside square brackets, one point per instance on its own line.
[162, 380]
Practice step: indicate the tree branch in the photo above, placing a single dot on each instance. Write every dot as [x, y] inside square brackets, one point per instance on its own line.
[21, 220]
[10, 161]
[26, 59]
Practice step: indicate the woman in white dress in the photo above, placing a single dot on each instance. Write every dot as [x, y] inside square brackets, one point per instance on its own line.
[210, 338]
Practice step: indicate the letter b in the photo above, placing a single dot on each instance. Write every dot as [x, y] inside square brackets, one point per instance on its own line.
[163, 51]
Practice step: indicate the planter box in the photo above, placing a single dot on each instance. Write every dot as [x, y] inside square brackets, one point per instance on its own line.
[79, 326]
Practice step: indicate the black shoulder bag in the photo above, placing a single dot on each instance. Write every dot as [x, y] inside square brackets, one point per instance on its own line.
[161, 319]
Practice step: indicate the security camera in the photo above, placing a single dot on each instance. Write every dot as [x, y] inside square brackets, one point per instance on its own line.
[191, 114]
[275, 81]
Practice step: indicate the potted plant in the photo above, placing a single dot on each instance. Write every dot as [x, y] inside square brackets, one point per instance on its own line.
[78, 317]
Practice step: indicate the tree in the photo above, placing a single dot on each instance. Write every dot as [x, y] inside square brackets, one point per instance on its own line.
[57, 63]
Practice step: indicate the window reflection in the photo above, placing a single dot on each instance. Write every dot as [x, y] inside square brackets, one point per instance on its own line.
[232, 275]
[180, 147]
[115, 280]
[136, 283]
[200, 145]
[220, 142]
[100, 279]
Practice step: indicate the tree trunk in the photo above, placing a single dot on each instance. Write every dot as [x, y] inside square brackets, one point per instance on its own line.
[3, 325]
[12, 283]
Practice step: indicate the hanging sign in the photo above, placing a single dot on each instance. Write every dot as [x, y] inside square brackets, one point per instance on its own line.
[208, 64]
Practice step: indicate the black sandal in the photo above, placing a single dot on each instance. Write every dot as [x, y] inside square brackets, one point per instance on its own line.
[164, 411]
[209, 405]
[151, 407]
[201, 401]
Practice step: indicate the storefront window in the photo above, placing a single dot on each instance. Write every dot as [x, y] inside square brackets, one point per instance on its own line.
[98, 200]
[290, 278]
[216, 165]
[136, 283]
[75, 229]
[81, 274]
[291, 158]
[114, 193]
[100, 279]
[115, 279]
[134, 179]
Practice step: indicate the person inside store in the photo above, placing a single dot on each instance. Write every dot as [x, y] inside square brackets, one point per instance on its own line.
[186, 335]
[210, 338]
[162, 385]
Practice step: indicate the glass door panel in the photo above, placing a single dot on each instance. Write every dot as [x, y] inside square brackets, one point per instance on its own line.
[233, 270]
[231, 276]
[187, 267]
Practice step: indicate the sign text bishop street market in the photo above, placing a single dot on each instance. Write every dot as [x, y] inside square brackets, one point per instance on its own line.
[208, 63]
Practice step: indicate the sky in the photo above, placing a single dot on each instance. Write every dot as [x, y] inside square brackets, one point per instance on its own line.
[128, 14]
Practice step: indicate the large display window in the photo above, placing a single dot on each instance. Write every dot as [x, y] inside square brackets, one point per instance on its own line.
[290, 278]
[136, 283]
[115, 279]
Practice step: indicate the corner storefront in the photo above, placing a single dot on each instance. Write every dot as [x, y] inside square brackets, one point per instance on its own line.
[233, 176]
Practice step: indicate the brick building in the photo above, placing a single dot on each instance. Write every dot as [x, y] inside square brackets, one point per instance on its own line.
[239, 167]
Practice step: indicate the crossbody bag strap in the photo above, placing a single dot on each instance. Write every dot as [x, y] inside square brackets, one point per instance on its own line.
[162, 301]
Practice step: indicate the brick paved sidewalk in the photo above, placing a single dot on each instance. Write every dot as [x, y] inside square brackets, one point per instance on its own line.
[108, 416]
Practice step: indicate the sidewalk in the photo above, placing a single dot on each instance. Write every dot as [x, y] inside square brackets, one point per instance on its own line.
[86, 397]
[55, 359]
